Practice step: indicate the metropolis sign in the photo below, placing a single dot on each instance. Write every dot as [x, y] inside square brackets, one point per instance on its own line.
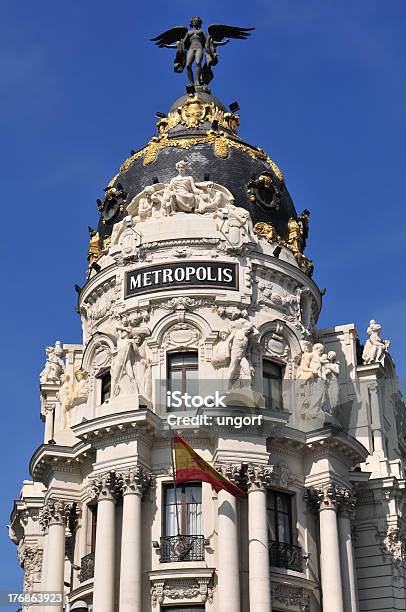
[185, 275]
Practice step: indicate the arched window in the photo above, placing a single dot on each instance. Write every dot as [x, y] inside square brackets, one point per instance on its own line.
[272, 384]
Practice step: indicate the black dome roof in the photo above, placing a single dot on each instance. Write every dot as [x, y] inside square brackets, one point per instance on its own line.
[199, 130]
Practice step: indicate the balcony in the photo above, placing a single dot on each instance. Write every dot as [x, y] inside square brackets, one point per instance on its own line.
[86, 568]
[285, 555]
[182, 548]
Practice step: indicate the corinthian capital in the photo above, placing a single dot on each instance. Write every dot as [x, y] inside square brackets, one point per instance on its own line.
[327, 497]
[259, 477]
[134, 481]
[346, 501]
[58, 512]
[106, 486]
[232, 471]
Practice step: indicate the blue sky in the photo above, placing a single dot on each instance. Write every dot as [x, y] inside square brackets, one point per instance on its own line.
[322, 88]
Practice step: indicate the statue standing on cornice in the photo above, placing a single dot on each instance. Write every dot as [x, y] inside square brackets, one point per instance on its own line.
[375, 348]
[55, 366]
[194, 45]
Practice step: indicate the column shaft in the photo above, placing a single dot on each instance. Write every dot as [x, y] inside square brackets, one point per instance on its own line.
[228, 561]
[330, 562]
[259, 571]
[55, 563]
[130, 575]
[348, 572]
[103, 595]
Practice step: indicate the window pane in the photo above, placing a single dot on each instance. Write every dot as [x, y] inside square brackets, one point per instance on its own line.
[284, 529]
[272, 370]
[190, 358]
[175, 380]
[189, 497]
[272, 385]
[280, 517]
[170, 522]
[191, 381]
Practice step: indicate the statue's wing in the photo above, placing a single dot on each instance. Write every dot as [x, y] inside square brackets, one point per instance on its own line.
[170, 36]
[219, 31]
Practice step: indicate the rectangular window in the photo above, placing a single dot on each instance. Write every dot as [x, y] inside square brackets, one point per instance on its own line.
[282, 551]
[182, 374]
[189, 499]
[105, 387]
[280, 517]
[93, 527]
[272, 385]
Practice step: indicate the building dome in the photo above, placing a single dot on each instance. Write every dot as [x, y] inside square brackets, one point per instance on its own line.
[199, 130]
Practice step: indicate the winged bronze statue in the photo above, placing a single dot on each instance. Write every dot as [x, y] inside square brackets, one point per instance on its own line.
[195, 46]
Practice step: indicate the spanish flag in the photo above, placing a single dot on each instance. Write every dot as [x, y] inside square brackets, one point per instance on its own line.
[189, 466]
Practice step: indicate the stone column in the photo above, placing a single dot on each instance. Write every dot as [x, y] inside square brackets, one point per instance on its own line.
[258, 539]
[325, 500]
[134, 482]
[53, 518]
[105, 489]
[348, 572]
[227, 547]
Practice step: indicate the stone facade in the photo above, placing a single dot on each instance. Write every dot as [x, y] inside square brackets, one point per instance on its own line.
[329, 444]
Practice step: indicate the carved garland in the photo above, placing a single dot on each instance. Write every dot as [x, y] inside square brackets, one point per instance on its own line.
[220, 141]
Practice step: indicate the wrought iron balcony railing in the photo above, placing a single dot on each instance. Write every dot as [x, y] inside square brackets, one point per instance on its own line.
[285, 555]
[86, 568]
[182, 548]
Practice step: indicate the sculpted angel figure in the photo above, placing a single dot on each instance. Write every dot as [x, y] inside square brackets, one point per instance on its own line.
[194, 45]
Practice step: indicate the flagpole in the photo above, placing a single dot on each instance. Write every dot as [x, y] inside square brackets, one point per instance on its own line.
[174, 480]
